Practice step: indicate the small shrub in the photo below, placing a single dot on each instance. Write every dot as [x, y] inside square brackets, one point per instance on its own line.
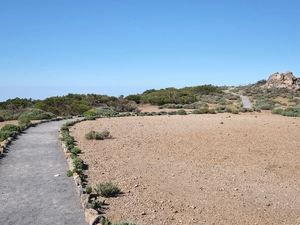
[106, 189]
[90, 113]
[75, 150]
[206, 110]
[277, 111]
[98, 136]
[97, 204]
[24, 121]
[105, 221]
[196, 111]
[242, 109]
[1, 119]
[70, 173]
[68, 117]
[4, 135]
[11, 128]
[106, 111]
[78, 163]
[88, 189]
[181, 112]
[172, 113]
[38, 114]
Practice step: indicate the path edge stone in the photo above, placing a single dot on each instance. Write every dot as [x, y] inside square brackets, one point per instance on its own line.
[92, 216]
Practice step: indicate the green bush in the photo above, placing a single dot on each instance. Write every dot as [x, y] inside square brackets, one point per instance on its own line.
[97, 135]
[24, 121]
[172, 113]
[78, 163]
[265, 104]
[106, 189]
[4, 135]
[136, 98]
[88, 189]
[196, 111]
[277, 111]
[90, 113]
[181, 112]
[11, 128]
[38, 114]
[291, 111]
[206, 110]
[70, 173]
[106, 111]
[104, 221]
[97, 204]
[75, 150]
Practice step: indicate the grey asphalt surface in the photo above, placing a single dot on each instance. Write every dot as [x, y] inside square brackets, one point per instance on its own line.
[29, 191]
[245, 100]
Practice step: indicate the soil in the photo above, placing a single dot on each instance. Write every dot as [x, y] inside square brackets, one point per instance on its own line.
[197, 169]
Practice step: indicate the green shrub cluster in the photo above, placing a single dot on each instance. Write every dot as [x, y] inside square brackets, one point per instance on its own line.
[194, 105]
[106, 111]
[70, 144]
[38, 114]
[290, 111]
[265, 104]
[204, 110]
[9, 130]
[181, 112]
[24, 121]
[94, 135]
[106, 189]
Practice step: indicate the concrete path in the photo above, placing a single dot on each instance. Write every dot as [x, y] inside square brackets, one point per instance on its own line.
[245, 100]
[30, 194]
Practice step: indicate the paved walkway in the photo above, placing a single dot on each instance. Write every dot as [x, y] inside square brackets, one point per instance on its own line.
[245, 100]
[30, 194]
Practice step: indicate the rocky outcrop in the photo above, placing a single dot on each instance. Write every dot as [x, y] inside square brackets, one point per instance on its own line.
[284, 80]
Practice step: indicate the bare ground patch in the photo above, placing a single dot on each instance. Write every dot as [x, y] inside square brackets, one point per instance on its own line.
[197, 169]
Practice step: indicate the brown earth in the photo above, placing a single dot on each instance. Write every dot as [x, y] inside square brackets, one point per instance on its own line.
[15, 122]
[197, 169]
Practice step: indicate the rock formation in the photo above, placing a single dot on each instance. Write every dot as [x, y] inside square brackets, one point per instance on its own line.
[283, 80]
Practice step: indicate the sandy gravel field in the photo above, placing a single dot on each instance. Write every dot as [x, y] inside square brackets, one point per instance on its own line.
[197, 169]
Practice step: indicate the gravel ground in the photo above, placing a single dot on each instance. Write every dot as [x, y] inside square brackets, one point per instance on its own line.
[197, 169]
[30, 193]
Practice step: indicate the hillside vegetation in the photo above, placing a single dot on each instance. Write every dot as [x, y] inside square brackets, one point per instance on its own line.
[202, 99]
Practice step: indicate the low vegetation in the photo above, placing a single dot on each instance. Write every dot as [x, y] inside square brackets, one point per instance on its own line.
[95, 135]
[9, 130]
[290, 111]
[106, 189]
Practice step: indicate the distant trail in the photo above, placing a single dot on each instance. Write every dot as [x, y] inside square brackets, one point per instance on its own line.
[245, 100]
[29, 191]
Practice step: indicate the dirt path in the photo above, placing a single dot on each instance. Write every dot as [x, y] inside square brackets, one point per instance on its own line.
[30, 193]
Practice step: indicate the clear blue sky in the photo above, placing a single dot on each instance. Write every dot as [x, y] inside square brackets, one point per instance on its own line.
[54, 47]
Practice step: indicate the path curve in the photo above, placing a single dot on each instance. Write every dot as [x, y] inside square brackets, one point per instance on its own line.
[245, 100]
[30, 193]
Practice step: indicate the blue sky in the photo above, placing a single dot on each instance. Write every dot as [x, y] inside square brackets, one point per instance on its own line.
[53, 47]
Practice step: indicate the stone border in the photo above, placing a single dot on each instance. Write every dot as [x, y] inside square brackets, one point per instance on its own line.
[4, 144]
[92, 216]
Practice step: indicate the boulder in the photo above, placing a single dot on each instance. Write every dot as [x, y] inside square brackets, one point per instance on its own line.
[283, 80]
